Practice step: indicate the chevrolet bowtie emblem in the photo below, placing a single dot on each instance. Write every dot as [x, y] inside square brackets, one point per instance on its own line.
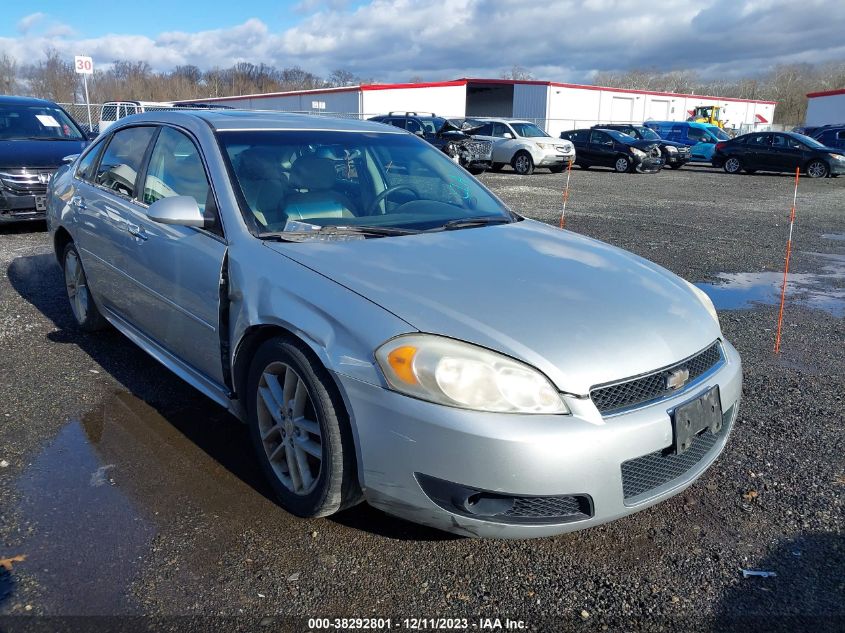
[677, 378]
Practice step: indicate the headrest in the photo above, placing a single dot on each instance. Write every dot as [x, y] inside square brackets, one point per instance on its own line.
[257, 164]
[314, 174]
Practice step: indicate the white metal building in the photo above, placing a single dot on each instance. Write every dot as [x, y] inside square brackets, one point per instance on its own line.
[825, 108]
[554, 106]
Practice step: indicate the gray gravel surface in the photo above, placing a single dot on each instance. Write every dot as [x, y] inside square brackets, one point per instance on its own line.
[131, 494]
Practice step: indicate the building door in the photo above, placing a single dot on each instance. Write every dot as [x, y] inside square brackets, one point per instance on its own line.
[622, 110]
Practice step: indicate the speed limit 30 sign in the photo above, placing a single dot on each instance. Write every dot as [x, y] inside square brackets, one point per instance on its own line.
[83, 65]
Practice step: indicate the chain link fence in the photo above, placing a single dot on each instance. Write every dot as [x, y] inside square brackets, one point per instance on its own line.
[79, 112]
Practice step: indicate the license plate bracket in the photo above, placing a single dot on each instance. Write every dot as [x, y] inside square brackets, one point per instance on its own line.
[691, 418]
[40, 203]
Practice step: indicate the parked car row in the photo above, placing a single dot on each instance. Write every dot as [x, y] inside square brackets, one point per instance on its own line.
[781, 152]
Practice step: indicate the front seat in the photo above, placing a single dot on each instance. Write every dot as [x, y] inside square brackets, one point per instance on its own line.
[263, 186]
[314, 179]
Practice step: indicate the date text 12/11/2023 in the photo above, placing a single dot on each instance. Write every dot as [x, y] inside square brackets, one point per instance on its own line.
[417, 624]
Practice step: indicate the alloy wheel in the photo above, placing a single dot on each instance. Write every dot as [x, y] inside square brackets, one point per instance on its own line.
[290, 432]
[77, 287]
[732, 165]
[817, 169]
[621, 165]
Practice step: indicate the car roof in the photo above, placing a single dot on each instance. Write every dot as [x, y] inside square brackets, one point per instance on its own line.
[490, 119]
[223, 120]
[15, 100]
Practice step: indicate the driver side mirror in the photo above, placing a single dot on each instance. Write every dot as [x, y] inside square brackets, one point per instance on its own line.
[179, 210]
[507, 135]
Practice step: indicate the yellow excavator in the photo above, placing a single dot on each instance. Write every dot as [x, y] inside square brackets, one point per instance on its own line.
[708, 114]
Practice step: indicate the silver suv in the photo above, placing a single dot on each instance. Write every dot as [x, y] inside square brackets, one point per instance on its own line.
[387, 328]
[524, 146]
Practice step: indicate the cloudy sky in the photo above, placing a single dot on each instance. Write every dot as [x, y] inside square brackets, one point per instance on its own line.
[394, 40]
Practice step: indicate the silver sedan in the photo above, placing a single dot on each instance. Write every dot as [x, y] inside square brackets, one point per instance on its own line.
[388, 328]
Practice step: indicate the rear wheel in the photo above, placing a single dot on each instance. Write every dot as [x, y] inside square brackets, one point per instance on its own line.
[622, 165]
[300, 431]
[523, 164]
[732, 165]
[817, 169]
[85, 310]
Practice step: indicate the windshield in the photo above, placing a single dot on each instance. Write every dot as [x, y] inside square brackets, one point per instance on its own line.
[300, 181]
[432, 125]
[719, 133]
[647, 133]
[527, 130]
[811, 142]
[38, 122]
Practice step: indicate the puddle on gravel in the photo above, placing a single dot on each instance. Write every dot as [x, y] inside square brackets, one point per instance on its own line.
[822, 291]
[839, 237]
[93, 501]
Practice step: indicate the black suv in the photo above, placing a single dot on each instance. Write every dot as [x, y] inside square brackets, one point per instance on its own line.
[610, 148]
[454, 140]
[35, 135]
[830, 136]
[675, 155]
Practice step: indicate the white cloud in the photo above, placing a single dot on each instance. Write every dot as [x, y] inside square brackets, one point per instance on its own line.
[564, 40]
[27, 22]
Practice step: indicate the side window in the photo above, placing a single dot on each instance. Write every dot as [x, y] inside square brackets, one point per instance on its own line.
[781, 142]
[759, 139]
[176, 169]
[85, 169]
[840, 136]
[121, 162]
[485, 130]
[793, 143]
[600, 138]
[696, 135]
[499, 130]
[414, 126]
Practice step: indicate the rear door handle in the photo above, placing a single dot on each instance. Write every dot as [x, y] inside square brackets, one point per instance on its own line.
[137, 231]
[78, 202]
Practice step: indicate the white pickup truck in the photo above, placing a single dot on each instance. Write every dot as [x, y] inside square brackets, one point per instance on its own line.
[523, 145]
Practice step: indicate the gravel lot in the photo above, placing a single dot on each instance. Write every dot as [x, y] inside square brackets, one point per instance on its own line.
[131, 494]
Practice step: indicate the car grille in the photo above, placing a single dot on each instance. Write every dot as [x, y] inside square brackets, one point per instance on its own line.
[644, 474]
[683, 150]
[26, 181]
[479, 150]
[566, 508]
[655, 151]
[616, 397]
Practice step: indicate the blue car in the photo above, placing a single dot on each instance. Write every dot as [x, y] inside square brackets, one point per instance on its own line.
[701, 138]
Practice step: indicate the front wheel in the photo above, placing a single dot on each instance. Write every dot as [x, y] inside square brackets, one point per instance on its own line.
[85, 310]
[732, 165]
[622, 165]
[523, 164]
[817, 169]
[300, 431]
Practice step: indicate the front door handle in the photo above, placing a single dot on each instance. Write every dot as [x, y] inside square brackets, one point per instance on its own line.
[78, 202]
[137, 231]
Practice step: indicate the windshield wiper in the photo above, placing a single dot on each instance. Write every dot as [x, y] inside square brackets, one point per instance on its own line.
[465, 223]
[365, 230]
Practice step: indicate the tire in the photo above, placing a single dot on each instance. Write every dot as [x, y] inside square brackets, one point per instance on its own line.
[496, 166]
[316, 437]
[732, 165]
[557, 169]
[85, 311]
[817, 169]
[523, 164]
[622, 165]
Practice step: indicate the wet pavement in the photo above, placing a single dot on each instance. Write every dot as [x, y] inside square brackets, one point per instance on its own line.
[130, 493]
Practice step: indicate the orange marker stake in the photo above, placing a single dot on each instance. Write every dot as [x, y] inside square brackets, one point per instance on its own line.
[786, 266]
[565, 196]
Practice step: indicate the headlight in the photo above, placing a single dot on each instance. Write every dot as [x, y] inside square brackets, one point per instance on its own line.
[638, 152]
[707, 302]
[837, 156]
[545, 146]
[671, 149]
[457, 374]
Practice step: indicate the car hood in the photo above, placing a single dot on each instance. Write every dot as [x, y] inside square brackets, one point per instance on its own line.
[666, 143]
[581, 311]
[37, 153]
[645, 145]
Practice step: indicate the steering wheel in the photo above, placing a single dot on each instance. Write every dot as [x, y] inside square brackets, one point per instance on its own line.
[389, 191]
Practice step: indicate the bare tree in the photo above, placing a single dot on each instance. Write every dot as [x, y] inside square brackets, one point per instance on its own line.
[518, 73]
[8, 75]
[53, 77]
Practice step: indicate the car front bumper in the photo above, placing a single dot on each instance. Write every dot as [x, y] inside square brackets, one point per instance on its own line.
[553, 158]
[413, 455]
[649, 165]
[19, 207]
[676, 158]
[837, 167]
